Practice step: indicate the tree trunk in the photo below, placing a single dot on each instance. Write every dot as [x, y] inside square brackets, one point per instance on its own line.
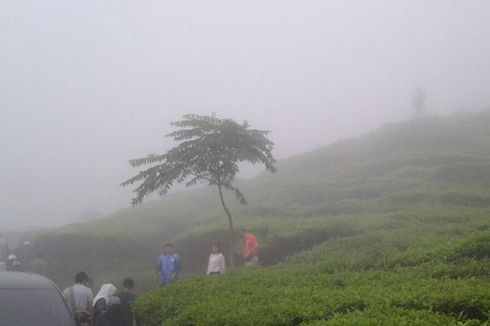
[230, 236]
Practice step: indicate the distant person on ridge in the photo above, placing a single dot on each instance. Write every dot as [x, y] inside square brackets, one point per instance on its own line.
[39, 265]
[127, 297]
[251, 250]
[79, 298]
[216, 264]
[168, 265]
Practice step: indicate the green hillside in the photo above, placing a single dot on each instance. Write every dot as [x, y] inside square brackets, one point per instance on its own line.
[390, 228]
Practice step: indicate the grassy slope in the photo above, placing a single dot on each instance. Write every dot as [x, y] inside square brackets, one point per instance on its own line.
[392, 226]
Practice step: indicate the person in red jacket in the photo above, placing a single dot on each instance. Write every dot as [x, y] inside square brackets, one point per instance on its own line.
[251, 250]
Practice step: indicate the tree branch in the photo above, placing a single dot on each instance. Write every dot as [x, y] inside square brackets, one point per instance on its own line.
[200, 176]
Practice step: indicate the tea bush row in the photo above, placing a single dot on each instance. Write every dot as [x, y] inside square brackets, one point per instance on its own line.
[294, 296]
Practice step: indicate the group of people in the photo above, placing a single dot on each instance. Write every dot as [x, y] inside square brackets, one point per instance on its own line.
[36, 265]
[109, 307]
[22, 258]
[169, 264]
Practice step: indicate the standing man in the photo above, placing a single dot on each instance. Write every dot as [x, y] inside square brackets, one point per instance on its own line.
[79, 298]
[127, 297]
[168, 265]
[39, 265]
[251, 250]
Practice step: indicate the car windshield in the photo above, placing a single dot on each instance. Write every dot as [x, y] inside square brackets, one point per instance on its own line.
[27, 307]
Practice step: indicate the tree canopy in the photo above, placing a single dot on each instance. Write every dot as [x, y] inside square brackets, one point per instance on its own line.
[209, 151]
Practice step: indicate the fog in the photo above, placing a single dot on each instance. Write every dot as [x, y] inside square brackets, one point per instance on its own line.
[87, 85]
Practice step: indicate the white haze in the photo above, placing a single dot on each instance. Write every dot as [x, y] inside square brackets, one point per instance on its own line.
[87, 85]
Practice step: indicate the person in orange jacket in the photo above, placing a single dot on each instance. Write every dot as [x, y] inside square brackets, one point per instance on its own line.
[251, 250]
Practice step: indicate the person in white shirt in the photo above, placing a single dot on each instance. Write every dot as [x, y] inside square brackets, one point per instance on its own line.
[216, 263]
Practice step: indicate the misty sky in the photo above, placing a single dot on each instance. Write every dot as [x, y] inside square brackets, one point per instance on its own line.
[87, 85]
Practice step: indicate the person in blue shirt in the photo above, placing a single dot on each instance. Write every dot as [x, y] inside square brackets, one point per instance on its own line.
[168, 265]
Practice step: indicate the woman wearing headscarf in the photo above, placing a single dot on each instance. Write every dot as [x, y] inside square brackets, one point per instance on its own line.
[106, 306]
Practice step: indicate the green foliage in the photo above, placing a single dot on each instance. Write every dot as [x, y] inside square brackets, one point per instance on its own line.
[295, 296]
[477, 246]
[387, 316]
[280, 246]
[393, 269]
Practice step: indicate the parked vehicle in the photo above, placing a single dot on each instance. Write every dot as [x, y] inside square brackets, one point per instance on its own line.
[31, 299]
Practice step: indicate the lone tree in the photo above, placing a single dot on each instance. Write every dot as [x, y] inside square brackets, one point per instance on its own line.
[209, 151]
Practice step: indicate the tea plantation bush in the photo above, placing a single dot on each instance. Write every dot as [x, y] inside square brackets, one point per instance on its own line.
[402, 268]
[477, 247]
[388, 316]
[297, 296]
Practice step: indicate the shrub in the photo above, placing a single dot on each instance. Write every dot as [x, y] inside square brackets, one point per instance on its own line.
[280, 247]
[477, 247]
[387, 316]
[307, 296]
